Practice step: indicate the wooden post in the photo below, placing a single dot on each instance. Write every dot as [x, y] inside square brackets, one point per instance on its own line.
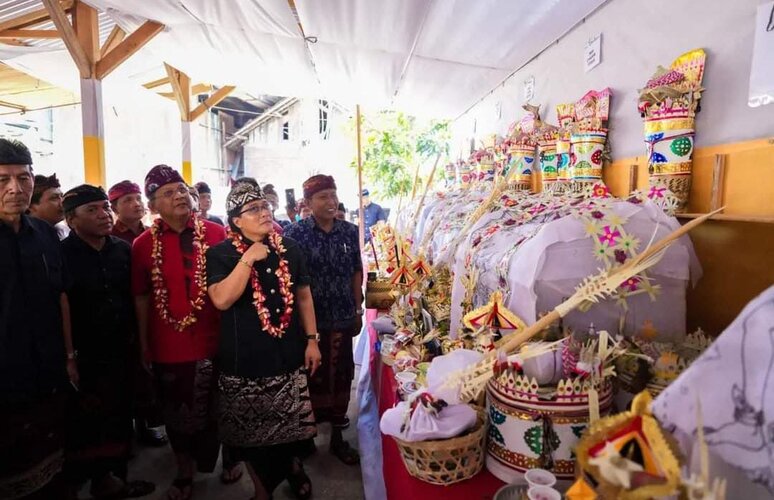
[361, 210]
[718, 175]
[185, 128]
[632, 178]
[93, 132]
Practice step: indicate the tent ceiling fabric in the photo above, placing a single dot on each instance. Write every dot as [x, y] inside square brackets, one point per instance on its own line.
[429, 57]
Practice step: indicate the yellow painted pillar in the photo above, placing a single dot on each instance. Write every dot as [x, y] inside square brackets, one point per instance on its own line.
[185, 126]
[93, 132]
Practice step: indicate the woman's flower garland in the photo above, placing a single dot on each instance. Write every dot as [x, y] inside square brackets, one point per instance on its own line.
[259, 298]
[160, 291]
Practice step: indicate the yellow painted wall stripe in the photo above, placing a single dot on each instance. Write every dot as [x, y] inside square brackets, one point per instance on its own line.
[94, 160]
[187, 172]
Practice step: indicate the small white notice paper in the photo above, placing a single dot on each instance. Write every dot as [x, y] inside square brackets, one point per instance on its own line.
[529, 89]
[592, 56]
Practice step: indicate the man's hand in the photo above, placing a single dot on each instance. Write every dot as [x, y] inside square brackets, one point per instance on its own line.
[312, 357]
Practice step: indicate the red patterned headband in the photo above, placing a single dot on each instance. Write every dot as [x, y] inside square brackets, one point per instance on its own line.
[317, 183]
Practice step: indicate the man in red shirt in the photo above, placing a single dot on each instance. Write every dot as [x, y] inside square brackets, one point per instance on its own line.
[178, 324]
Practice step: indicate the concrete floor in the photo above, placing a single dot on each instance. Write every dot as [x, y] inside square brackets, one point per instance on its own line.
[331, 479]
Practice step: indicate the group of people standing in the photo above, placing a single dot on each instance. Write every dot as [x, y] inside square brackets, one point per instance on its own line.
[245, 332]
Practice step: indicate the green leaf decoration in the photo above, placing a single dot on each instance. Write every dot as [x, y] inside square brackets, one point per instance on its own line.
[681, 146]
[534, 439]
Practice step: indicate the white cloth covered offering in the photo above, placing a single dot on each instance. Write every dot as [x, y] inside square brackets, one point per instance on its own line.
[443, 367]
[424, 418]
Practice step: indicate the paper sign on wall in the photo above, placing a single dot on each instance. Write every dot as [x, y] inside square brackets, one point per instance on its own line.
[592, 56]
[529, 89]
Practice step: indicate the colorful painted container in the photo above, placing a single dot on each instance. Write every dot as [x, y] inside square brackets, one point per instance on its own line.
[527, 431]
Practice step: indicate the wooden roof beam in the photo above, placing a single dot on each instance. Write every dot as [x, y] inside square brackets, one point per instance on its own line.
[18, 33]
[18, 107]
[181, 87]
[211, 101]
[124, 50]
[69, 36]
[86, 25]
[115, 37]
[156, 83]
[32, 18]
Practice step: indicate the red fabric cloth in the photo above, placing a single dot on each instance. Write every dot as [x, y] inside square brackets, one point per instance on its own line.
[277, 228]
[200, 340]
[399, 484]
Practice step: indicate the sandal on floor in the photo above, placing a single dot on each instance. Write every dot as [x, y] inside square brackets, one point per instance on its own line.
[344, 452]
[298, 480]
[234, 478]
[183, 485]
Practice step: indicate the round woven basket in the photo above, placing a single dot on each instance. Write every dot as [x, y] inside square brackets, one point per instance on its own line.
[379, 295]
[447, 461]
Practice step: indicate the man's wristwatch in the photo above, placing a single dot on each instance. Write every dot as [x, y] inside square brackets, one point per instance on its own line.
[72, 355]
[359, 312]
[313, 336]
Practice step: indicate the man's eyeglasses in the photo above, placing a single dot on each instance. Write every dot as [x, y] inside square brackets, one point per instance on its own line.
[169, 193]
[257, 209]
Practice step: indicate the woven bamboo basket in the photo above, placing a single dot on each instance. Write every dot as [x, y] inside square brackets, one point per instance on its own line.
[447, 461]
[379, 294]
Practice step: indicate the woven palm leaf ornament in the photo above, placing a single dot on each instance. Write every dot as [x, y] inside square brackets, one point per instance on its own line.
[493, 315]
[472, 380]
[403, 276]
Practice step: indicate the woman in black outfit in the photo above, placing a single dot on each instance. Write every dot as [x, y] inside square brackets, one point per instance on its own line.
[268, 344]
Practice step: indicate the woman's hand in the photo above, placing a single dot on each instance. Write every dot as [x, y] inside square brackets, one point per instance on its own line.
[257, 252]
[72, 372]
[312, 357]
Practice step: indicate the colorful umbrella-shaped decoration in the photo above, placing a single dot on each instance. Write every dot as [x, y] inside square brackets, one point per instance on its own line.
[493, 315]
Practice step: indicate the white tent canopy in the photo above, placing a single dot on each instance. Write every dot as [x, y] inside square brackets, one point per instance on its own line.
[429, 57]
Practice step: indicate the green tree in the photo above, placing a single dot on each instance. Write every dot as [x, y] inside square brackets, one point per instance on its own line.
[393, 143]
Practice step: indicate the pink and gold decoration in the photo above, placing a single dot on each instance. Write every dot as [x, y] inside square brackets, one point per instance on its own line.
[588, 138]
[668, 105]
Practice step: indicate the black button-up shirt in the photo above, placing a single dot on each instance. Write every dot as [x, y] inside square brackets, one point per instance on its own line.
[101, 303]
[32, 278]
[245, 349]
[333, 259]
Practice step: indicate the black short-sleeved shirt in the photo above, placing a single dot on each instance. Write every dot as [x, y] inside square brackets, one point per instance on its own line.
[245, 349]
[100, 295]
[32, 278]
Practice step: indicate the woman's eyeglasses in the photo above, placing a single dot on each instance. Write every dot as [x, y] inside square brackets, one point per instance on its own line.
[257, 209]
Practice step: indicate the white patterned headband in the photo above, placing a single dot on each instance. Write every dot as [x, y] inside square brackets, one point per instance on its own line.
[241, 195]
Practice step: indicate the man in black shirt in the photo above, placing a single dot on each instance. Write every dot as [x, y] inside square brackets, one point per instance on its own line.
[36, 353]
[99, 423]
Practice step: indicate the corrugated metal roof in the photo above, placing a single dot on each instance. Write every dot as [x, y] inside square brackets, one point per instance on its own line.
[12, 9]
